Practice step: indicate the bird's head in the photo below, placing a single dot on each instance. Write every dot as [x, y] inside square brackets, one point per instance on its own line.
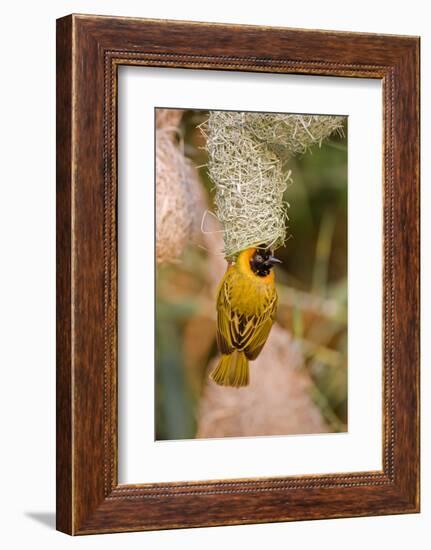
[262, 261]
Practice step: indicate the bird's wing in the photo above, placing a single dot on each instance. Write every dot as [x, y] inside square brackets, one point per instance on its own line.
[263, 326]
[224, 318]
[238, 331]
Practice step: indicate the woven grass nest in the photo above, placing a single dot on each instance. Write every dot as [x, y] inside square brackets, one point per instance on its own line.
[248, 157]
[176, 189]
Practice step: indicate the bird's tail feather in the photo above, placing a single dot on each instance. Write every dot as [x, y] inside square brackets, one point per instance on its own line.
[232, 370]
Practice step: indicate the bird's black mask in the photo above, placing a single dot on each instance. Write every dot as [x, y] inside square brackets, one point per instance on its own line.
[262, 262]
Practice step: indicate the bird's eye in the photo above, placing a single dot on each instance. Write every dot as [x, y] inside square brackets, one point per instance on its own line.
[258, 258]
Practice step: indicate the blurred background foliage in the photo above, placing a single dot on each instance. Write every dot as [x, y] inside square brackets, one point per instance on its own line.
[312, 286]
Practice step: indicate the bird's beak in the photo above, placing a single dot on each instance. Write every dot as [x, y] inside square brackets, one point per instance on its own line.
[273, 260]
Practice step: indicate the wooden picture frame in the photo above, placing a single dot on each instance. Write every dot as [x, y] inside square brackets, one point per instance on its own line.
[89, 52]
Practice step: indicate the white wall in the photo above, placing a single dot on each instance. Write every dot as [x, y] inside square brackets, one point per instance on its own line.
[27, 219]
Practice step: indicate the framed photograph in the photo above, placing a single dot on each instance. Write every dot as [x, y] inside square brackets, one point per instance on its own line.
[237, 274]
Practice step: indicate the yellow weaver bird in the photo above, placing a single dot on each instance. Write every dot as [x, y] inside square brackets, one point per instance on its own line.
[246, 305]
